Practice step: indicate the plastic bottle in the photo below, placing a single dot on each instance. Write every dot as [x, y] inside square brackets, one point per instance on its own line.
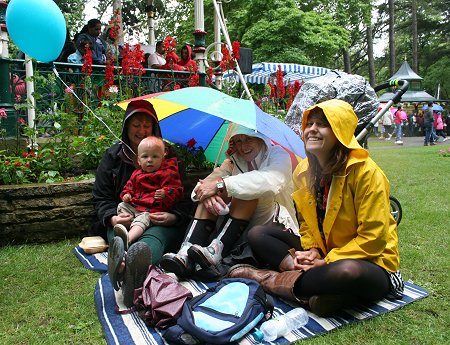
[282, 325]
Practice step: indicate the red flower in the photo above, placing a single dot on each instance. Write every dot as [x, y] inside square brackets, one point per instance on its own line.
[20, 121]
[27, 165]
[3, 114]
[114, 30]
[25, 154]
[17, 164]
[280, 83]
[109, 72]
[169, 44]
[191, 143]
[236, 48]
[87, 65]
[6, 163]
[194, 80]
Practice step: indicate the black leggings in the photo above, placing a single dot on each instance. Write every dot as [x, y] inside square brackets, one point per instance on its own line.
[270, 243]
[357, 278]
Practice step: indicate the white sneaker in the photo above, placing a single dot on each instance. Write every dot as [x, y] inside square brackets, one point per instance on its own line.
[445, 139]
[399, 142]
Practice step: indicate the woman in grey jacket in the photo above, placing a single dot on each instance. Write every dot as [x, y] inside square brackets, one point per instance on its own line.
[256, 182]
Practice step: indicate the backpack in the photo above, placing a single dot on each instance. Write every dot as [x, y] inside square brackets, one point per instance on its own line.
[223, 314]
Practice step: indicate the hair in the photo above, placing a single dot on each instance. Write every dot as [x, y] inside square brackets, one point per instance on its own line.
[159, 43]
[336, 163]
[152, 141]
[93, 22]
[430, 103]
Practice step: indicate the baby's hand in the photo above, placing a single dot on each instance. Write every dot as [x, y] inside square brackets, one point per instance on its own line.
[160, 194]
[126, 198]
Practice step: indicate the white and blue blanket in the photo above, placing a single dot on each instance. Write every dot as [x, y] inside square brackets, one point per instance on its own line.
[128, 328]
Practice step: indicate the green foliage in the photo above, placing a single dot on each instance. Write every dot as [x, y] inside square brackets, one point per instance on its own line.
[192, 157]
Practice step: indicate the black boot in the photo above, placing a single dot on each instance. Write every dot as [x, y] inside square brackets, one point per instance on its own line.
[199, 231]
[228, 234]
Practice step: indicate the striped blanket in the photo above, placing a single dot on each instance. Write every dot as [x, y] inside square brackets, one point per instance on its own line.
[128, 328]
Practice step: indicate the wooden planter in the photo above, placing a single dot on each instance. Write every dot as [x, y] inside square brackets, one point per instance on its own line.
[45, 212]
[38, 213]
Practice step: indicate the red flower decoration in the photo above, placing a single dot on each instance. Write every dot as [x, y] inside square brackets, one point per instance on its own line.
[20, 121]
[169, 44]
[191, 143]
[280, 83]
[87, 65]
[236, 49]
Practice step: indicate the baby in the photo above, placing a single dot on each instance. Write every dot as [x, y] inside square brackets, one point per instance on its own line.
[155, 187]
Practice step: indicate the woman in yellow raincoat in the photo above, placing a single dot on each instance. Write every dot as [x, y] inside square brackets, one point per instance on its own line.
[348, 235]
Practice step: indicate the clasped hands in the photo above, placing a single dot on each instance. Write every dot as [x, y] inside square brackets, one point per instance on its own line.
[206, 193]
[305, 260]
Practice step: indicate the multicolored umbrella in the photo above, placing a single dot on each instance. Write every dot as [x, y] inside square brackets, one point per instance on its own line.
[204, 114]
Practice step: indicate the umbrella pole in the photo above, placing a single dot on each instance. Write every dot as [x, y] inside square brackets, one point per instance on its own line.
[227, 39]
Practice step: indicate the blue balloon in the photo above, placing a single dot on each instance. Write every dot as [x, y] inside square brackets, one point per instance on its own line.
[37, 27]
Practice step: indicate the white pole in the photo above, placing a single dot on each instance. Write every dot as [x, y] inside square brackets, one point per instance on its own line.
[227, 39]
[218, 47]
[117, 6]
[30, 90]
[151, 12]
[199, 17]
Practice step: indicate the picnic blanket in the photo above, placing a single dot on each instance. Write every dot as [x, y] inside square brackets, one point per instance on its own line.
[128, 328]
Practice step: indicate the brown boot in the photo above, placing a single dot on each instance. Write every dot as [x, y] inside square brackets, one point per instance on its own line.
[280, 284]
[327, 305]
[287, 264]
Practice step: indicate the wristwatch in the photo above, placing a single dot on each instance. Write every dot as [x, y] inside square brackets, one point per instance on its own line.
[220, 185]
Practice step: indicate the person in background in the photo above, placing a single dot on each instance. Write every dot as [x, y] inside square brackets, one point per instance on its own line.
[439, 125]
[428, 120]
[91, 32]
[399, 116]
[185, 60]
[348, 236]
[156, 60]
[69, 48]
[387, 124]
[155, 187]
[78, 56]
[127, 270]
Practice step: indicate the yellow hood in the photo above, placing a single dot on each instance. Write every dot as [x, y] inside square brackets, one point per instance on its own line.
[342, 119]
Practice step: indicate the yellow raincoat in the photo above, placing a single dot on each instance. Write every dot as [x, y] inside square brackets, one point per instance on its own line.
[358, 223]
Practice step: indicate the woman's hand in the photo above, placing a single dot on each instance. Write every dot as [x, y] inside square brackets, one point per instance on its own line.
[205, 190]
[213, 204]
[123, 218]
[163, 218]
[305, 260]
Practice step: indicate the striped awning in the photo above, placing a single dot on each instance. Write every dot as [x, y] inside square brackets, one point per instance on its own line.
[261, 72]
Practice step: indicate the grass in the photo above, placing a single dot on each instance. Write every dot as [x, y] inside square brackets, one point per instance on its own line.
[47, 297]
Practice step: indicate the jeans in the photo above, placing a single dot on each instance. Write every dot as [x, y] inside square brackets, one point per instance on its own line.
[428, 128]
[398, 132]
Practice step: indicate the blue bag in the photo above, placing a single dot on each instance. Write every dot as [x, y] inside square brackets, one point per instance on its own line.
[223, 314]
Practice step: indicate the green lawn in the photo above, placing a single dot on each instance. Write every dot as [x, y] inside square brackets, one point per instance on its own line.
[47, 297]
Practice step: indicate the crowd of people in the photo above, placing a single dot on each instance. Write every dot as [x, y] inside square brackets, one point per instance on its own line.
[428, 122]
[104, 45]
[309, 236]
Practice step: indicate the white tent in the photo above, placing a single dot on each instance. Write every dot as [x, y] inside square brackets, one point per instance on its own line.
[262, 71]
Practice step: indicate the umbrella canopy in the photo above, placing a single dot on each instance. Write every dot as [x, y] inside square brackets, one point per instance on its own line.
[261, 72]
[204, 114]
[435, 107]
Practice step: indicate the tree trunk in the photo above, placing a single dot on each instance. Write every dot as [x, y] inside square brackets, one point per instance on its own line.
[347, 63]
[415, 62]
[370, 59]
[391, 5]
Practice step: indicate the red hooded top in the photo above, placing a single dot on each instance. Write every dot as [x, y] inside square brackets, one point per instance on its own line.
[189, 64]
[142, 186]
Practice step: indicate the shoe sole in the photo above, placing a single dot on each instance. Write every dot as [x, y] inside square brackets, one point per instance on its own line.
[122, 232]
[197, 256]
[116, 253]
[175, 266]
[138, 259]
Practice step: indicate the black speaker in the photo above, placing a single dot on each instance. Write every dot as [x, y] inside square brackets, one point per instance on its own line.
[246, 60]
